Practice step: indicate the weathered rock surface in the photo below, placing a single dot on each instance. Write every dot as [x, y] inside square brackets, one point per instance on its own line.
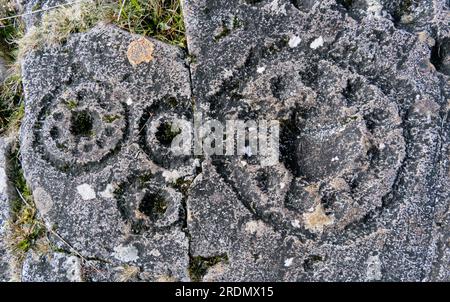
[361, 90]
[86, 152]
[6, 195]
[56, 267]
[362, 93]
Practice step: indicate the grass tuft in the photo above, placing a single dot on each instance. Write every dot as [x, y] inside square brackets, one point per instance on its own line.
[26, 230]
[161, 19]
[11, 30]
[128, 273]
[11, 103]
[57, 25]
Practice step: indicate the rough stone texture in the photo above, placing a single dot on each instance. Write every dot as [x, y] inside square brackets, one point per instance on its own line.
[95, 178]
[361, 192]
[6, 195]
[361, 90]
[55, 267]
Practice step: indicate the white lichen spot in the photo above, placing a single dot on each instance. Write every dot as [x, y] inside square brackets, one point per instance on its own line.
[155, 253]
[374, 8]
[373, 272]
[317, 220]
[108, 193]
[294, 41]
[126, 253]
[296, 223]
[255, 227]
[86, 192]
[382, 146]
[196, 163]
[275, 7]
[282, 185]
[261, 69]
[129, 102]
[43, 200]
[171, 176]
[317, 43]
[335, 159]
[228, 73]
[288, 262]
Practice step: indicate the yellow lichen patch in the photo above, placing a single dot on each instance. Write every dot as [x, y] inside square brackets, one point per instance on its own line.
[316, 220]
[140, 51]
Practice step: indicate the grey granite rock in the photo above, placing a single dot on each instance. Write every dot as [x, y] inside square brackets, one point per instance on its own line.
[54, 267]
[361, 91]
[363, 104]
[96, 180]
[6, 196]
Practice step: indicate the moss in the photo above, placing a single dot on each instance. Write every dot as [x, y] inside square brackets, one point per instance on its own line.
[110, 118]
[182, 185]
[165, 134]
[154, 205]
[119, 191]
[308, 264]
[172, 101]
[198, 266]
[72, 104]
[237, 23]
[350, 119]
[81, 123]
[192, 59]
[145, 178]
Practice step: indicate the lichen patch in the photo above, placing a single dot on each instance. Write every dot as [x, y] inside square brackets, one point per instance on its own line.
[317, 43]
[140, 51]
[86, 192]
[317, 220]
[126, 253]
